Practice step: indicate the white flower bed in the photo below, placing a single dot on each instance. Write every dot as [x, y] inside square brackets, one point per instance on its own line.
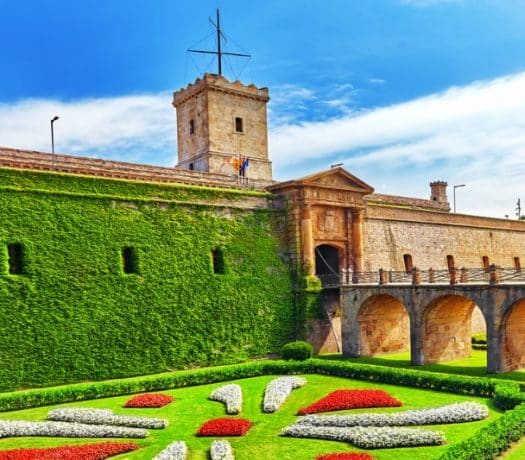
[16, 428]
[452, 413]
[368, 437]
[278, 390]
[104, 417]
[221, 450]
[175, 451]
[231, 395]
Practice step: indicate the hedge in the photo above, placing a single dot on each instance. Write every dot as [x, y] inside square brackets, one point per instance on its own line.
[506, 394]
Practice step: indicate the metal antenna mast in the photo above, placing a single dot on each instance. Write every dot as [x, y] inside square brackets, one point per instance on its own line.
[219, 51]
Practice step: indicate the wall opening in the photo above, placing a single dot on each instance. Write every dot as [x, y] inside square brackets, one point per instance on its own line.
[384, 326]
[514, 337]
[15, 254]
[326, 260]
[191, 167]
[129, 260]
[407, 260]
[450, 263]
[238, 125]
[192, 126]
[517, 264]
[486, 263]
[217, 258]
[447, 328]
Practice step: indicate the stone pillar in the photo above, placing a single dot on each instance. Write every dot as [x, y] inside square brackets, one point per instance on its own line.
[357, 238]
[307, 239]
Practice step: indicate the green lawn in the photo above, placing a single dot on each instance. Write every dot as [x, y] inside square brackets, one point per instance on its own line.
[262, 442]
[475, 366]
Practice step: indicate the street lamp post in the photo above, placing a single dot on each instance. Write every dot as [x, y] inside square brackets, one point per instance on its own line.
[455, 187]
[55, 118]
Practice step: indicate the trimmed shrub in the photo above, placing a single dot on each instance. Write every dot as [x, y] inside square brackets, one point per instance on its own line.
[298, 351]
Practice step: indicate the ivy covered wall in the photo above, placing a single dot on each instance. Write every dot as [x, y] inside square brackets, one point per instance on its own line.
[73, 314]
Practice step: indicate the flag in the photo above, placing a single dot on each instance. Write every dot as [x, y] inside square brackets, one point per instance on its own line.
[244, 165]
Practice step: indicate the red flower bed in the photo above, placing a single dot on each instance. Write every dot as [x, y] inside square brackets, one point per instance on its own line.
[82, 452]
[149, 400]
[345, 456]
[351, 399]
[225, 427]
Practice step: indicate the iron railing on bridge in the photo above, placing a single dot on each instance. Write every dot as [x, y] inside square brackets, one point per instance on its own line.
[493, 275]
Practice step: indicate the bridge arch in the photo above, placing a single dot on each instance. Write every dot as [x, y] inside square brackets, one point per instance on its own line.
[384, 326]
[446, 328]
[513, 335]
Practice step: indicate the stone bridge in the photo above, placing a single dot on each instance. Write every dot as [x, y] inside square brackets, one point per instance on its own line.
[433, 319]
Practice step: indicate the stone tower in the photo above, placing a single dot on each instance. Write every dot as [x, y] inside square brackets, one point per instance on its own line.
[221, 122]
[438, 193]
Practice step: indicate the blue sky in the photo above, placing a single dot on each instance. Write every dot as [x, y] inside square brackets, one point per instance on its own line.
[401, 91]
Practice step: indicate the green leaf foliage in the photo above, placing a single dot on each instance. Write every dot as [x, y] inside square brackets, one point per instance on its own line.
[298, 351]
[74, 314]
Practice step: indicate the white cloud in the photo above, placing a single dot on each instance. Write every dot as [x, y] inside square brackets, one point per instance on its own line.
[473, 134]
[131, 128]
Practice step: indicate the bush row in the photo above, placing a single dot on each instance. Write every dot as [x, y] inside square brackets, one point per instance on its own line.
[492, 439]
[506, 394]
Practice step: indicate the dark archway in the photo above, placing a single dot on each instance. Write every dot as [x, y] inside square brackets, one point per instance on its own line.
[326, 260]
[447, 329]
[514, 337]
[384, 326]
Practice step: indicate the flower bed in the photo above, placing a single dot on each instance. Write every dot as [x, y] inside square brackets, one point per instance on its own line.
[351, 399]
[83, 452]
[221, 450]
[368, 437]
[451, 413]
[18, 428]
[231, 395]
[345, 456]
[104, 417]
[175, 451]
[278, 390]
[225, 427]
[149, 400]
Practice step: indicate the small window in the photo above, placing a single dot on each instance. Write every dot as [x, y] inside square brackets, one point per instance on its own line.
[407, 258]
[15, 254]
[190, 166]
[129, 260]
[517, 264]
[217, 258]
[238, 125]
[450, 263]
[486, 263]
[192, 126]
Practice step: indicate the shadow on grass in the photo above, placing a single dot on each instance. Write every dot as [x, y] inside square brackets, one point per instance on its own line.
[475, 366]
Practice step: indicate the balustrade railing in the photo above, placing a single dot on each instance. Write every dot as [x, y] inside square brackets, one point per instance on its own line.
[461, 276]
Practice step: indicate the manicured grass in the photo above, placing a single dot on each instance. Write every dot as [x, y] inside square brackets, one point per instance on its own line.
[516, 452]
[192, 408]
[475, 366]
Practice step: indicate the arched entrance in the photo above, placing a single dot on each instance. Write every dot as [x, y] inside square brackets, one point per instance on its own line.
[514, 337]
[326, 260]
[384, 326]
[447, 330]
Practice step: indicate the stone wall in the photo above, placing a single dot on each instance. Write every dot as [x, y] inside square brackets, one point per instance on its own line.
[391, 232]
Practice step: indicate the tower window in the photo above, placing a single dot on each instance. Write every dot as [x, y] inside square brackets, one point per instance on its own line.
[217, 258]
[238, 125]
[192, 126]
[15, 254]
[129, 260]
[407, 259]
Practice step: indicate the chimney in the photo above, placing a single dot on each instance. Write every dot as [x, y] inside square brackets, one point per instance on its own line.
[438, 193]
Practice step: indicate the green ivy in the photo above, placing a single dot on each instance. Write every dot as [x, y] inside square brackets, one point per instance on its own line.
[74, 314]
